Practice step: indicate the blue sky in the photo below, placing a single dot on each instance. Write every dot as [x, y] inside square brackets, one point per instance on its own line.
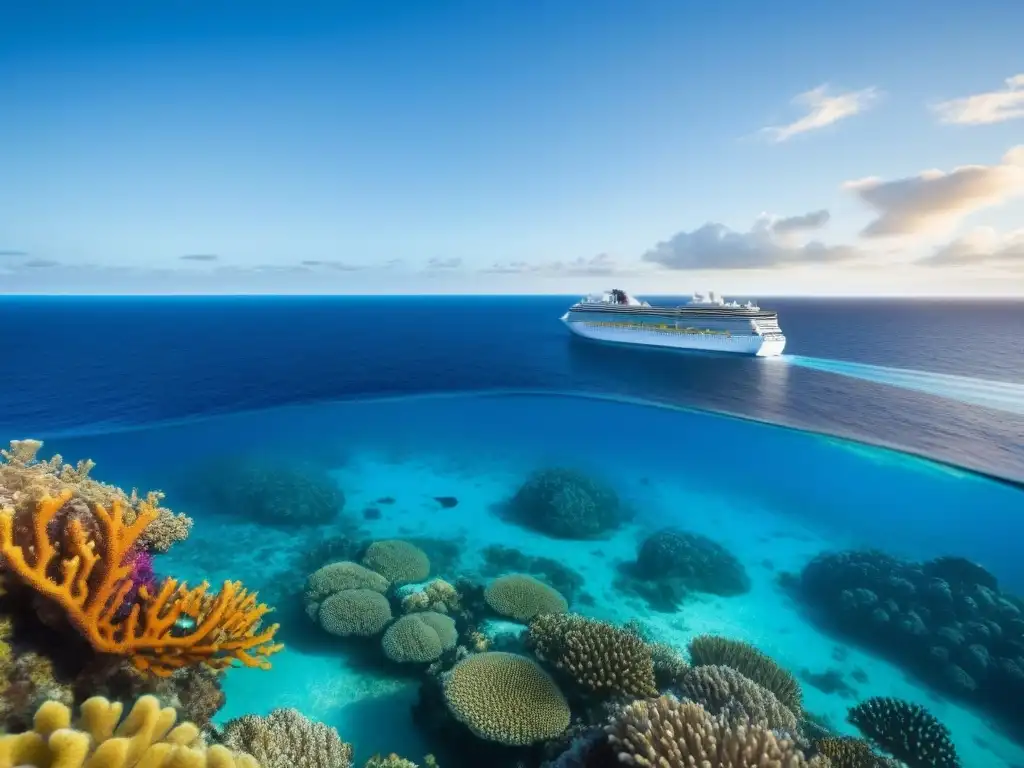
[391, 147]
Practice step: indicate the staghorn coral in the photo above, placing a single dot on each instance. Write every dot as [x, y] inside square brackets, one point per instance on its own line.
[25, 480]
[419, 637]
[599, 657]
[361, 612]
[335, 577]
[709, 650]
[669, 664]
[93, 584]
[505, 698]
[724, 691]
[397, 561]
[848, 752]
[907, 731]
[146, 737]
[666, 732]
[287, 739]
[523, 597]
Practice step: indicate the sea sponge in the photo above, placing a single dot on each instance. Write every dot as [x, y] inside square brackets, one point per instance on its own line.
[668, 732]
[599, 657]
[724, 691]
[343, 575]
[506, 698]
[522, 597]
[397, 561]
[568, 504]
[710, 650]
[907, 731]
[146, 737]
[419, 637]
[287, 739]
[361, 612]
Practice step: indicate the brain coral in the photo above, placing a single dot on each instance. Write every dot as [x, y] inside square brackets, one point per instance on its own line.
[397, 561]
[361, 612]
[724, 691]
[599, 657]
[344, 575]
[285, 739]
[505, 698]
[668, 732]
[567, 504]
[708, 650]
[523, 597]
[419, 637]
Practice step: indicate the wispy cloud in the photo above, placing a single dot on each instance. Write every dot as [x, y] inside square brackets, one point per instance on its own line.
[935, 200]
[199, 257]
[984, 108]
[767, 244]
[328, 264]
[822, 110]
[40, 263]
[601, 264]
[983, 246]
[13, 254]
[444, 264]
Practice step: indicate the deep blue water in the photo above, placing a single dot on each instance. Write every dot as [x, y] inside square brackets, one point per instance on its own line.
[85, 365]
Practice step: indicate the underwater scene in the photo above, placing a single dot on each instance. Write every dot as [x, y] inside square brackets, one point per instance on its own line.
[500, 578]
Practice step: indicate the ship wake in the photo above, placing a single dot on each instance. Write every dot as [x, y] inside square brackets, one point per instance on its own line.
[999, 395]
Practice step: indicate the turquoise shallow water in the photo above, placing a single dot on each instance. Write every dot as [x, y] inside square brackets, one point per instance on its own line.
[773, 497]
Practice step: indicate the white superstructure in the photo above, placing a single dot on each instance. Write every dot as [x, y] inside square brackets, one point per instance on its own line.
[706, 323]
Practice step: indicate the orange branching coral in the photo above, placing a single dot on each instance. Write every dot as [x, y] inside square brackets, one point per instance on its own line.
[93, 584]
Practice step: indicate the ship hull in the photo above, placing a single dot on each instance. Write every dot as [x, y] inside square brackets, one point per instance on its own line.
[738, 344]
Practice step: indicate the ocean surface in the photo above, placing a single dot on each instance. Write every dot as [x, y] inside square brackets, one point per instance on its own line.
[408, 401]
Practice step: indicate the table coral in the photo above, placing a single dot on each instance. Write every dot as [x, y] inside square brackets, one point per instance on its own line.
[91, 583]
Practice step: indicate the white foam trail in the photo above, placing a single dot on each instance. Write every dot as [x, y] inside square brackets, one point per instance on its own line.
[1000, 395]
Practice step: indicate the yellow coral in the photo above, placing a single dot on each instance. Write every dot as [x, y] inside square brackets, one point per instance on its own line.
[93, 586]
[147, 738]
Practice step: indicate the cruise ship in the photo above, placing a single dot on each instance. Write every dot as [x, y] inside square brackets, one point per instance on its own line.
[705, 323]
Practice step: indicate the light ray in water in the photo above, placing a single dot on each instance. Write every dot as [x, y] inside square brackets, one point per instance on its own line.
[1000, 395]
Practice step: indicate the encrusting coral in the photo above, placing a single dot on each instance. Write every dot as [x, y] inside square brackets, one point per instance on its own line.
[287, 739]
[599, 657]
[505, 698]
[522, 597]
[25, 479]
[91, 583]
[708, 650]
[146, 738]
[667, 732]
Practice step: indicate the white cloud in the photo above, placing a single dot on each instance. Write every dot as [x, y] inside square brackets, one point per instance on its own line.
[984, 108]
[935, 200]
[822, 110]
[601, 264]
[982, 246]
[768, 243]
[444, 264]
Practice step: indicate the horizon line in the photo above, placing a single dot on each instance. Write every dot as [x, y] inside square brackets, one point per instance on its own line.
[297, 295]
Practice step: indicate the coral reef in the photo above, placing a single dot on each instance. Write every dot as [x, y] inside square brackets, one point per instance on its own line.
[361, 612]
[567, 504]
[848, 752]
[598, 657]
[505, 698]
[91, 581]
[397, 561]
[521, 597]
[669, 664]
[25, 479]
[419, 637]
[907, 731]
[667, 732]
[147, 736]
[709, 650]
[336, 577]
[724, 691]
[671, 563]
[287, 739]
[438, 596]
[944, 619]
[499, 560]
